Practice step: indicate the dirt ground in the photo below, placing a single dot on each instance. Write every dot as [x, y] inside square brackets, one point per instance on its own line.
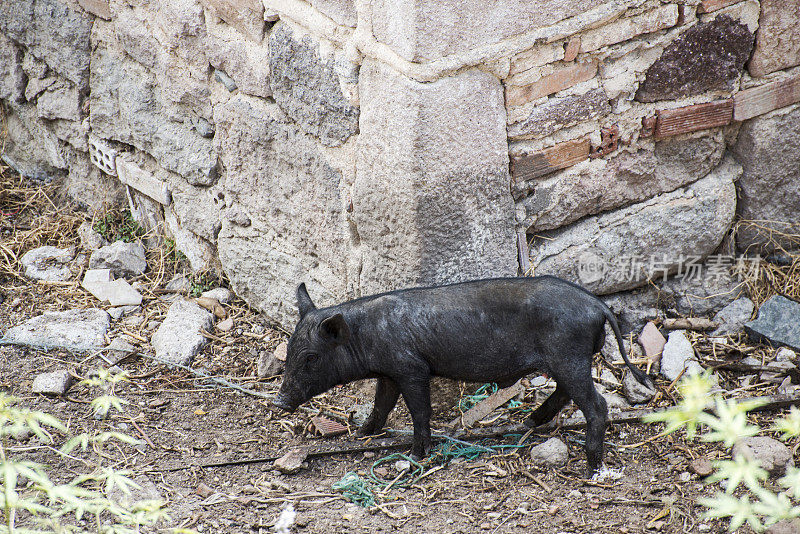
[184, 421]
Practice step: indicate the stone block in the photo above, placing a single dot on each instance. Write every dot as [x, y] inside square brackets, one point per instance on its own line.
[307, 87]
[776, 323]
[562, 77]
[98, 8]
[422, 145]
[627, 28]
[541, 54]
[30, 148]
[340, 11]
[777, 38]
[178, 339]
[632, 175]
[709, 56]
[132, 175]
[559, 112]
[427, 30]
[78, 330]
[12, 77]
[53, 32]
[688, 221]
[247, 16]
[768, 148]
[300, 190]
[127, 105]
[62, 100]
[247, 63]
[200, 253]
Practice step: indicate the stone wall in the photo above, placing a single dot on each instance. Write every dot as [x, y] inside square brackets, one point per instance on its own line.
[365, 145]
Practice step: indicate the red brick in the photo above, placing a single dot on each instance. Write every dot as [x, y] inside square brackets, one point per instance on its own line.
[564, 77]
[765, 98]
[328, 427]
[692, 118]
[707, 6]
[651, 340]
[572, 48]
[529, 166]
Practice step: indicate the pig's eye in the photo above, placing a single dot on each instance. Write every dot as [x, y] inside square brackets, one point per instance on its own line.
[312, 357]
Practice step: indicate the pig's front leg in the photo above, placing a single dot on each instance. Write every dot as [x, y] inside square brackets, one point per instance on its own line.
[417, 394]
[386, 394]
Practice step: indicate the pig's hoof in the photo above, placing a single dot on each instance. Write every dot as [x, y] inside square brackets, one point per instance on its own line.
[367, 429]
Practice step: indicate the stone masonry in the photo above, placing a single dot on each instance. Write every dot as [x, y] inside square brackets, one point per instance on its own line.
[365, 145]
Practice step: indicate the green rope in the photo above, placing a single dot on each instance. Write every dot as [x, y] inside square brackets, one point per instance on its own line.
[355, 489]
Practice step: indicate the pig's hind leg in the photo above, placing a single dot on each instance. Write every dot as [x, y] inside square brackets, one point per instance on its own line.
[582, 391]
[549, 408]
[386, 395]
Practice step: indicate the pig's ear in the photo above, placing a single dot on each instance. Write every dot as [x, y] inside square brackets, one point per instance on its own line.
[304, 303]
[335, 329]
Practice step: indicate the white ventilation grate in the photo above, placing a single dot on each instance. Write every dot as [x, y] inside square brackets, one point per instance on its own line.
[103, 156]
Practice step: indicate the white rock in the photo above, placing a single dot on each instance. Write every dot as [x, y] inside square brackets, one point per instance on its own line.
[221, 294]
[78, 330]
[635, 392]
[551, 452]
[678, 355]
[90, 239]
[53, 383]
[773, 455]
[178, 339]
[122, 294]
[124, 259]
[47, 263]
[225, 325]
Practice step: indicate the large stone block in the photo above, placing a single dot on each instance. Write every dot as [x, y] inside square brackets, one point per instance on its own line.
[169, 38]
[625, 178]
[709, 56]
[12, 77]
[607, 253]
[560, 112]
[294, 230]
[31, 148]
[777, 38]
[307, 87]
[768, 148]
[425, 30]
[431, 200]
[127, 105]
[244, 61]
[340, 11]
[52, 32]
[247, 16]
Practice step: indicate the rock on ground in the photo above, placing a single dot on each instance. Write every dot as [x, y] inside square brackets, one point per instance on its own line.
[124, 259]
[78, 330]
[732, 317]
[220, 294]
[48, 263]
[678, 355]
[552, 452]
[90, 239]
[777, 323]
[292, 461]
[773, 455]
[614, 401]
[52, 383]
[268, 365]
[178, 339]
[635, 392]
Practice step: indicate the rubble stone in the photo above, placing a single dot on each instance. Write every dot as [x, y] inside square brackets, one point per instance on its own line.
[307, 87]
[678, 355]
[78, 330]
[770, 453]
[709, 56]
[732, 317]
[52, 383]
[776, 323]
[48, 263]
[777, 40]
[559, 112]
[178, 339]
[123, 259]
[552, 452]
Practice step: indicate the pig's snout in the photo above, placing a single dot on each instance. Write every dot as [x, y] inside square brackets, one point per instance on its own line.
[279, 401]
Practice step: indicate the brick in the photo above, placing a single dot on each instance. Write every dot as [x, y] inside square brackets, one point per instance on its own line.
[651, 340]
[247, 16]
[572, 48]
[692, 118]
[564, 77]
[707, 6]
[529, 166]
[628, 28]
[537, 56]
[328, 427]
[139, 179]
[765, 98]
[98, 8]
[777, 39]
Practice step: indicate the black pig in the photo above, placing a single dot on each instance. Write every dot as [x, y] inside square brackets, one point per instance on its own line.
[495, 330]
